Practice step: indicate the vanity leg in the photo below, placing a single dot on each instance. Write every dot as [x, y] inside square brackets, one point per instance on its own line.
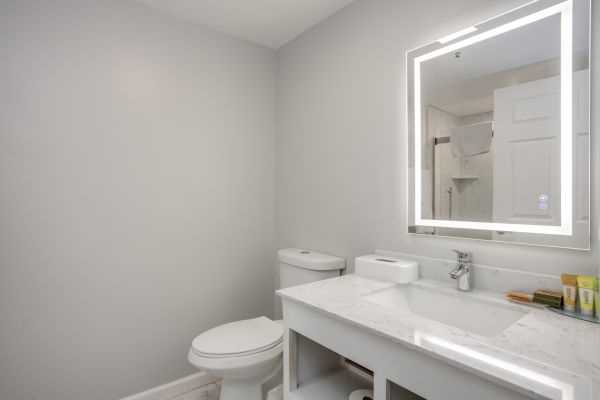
[380, 387]
[290, 362]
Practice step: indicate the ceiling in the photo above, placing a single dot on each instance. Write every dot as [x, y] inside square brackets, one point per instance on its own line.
[271, 23]
[465, 85]
[523, 46]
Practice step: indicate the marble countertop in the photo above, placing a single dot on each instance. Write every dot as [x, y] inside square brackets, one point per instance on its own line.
[545, 354]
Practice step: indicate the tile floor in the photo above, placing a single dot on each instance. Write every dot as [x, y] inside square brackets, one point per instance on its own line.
[208, 392]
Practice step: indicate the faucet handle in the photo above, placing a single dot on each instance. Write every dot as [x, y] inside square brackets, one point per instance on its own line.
[462, 255]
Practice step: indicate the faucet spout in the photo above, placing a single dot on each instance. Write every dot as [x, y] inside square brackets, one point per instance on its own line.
[462, 272]
[459, 272]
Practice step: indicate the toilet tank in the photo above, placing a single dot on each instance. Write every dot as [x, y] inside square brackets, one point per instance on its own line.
[300, 266]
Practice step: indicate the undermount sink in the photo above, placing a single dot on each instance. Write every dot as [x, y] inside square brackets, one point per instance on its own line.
[463, 312]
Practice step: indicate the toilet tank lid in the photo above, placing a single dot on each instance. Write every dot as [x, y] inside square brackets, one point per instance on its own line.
[309, 259]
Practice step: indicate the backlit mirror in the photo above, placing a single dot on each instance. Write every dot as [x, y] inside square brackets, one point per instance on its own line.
[499, 128]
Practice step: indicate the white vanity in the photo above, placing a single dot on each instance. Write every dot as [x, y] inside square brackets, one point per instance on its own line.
[498, 137]
[427, 339]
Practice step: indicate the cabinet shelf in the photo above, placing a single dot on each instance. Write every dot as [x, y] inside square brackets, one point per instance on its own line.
[335, 385]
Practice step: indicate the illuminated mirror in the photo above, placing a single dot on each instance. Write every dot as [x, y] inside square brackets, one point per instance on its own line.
[499, 128]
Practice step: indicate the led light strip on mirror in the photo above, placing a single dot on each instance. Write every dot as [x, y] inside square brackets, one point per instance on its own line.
[565, 9]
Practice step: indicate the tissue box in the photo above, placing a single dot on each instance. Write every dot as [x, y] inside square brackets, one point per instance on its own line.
[387, 268]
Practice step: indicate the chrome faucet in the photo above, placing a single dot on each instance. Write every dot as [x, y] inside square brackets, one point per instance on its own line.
[462, 273]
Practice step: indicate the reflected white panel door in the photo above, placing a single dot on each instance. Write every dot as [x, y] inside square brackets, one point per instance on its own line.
[527, 159]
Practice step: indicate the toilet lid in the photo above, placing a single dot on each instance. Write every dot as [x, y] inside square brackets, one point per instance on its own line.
[239, 338]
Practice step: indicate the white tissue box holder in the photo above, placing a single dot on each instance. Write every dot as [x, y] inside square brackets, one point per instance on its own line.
[387, 268]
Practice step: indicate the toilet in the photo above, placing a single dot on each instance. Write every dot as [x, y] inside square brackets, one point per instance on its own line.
[247, 354]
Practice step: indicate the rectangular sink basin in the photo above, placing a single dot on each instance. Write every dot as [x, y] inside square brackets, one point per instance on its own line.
[462, 312]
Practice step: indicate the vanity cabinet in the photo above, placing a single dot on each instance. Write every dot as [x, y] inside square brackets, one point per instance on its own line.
[316, 345]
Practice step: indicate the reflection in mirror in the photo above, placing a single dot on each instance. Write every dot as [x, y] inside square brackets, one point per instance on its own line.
[500, 129]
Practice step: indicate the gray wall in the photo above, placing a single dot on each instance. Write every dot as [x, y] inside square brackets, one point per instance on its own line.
[136, 194]
[341, 153]
[137, 179]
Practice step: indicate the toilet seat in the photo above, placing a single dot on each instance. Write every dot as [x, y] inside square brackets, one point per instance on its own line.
[239, 339]
[248, 364]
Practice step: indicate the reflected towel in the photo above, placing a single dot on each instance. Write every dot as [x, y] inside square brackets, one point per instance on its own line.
[470, 140]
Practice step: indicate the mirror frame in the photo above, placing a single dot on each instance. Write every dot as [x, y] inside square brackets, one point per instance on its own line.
[521, 16]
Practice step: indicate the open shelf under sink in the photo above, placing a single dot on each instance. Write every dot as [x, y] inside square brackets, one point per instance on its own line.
[334, 385]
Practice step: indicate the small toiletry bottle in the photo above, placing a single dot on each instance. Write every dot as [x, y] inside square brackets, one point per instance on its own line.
[569, 283]
[587, 284]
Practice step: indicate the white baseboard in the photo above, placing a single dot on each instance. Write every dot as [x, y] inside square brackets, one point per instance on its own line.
[175, 388]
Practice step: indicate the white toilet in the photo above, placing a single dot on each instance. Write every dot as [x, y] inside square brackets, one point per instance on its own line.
[247, 354]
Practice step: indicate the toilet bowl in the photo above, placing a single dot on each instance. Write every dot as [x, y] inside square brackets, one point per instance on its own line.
[246, 354]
